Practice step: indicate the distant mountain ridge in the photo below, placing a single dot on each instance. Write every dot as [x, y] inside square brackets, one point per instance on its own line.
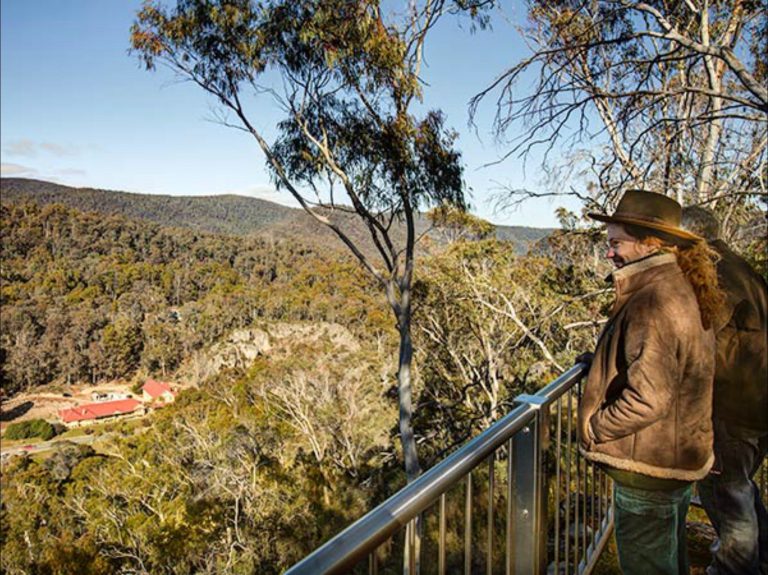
[223, 214]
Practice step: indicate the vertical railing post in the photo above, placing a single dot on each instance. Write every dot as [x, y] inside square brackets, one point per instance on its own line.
[530, 492]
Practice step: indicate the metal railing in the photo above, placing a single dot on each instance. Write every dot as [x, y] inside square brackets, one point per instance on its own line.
[516, 499]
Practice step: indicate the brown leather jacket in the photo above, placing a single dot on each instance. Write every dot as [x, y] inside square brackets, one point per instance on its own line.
[647, 402]
[741, 379]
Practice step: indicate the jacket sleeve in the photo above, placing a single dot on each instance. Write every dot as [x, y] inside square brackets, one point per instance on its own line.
[650, 348]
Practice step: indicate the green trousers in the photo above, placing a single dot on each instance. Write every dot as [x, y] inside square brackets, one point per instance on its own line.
[650, 530]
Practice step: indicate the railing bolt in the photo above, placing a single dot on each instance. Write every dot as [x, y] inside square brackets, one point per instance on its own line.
[526, 429]
[525, 514]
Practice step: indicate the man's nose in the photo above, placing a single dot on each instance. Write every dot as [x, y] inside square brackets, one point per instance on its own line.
[610, 254]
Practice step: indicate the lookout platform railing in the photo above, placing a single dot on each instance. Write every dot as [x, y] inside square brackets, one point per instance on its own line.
[516, 499]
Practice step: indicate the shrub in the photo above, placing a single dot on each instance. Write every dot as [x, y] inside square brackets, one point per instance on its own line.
[30, 428]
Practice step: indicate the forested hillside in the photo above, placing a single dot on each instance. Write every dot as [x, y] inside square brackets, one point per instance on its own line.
[242, 476]
[222, 214]
[316, 360]
[266, 457]
[88, 297]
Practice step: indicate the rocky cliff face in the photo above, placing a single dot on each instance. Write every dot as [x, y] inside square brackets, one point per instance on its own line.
[274, 340]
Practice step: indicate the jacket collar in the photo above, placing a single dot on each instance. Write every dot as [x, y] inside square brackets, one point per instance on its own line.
[635, 275]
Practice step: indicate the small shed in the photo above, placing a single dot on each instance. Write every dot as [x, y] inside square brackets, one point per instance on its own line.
[157, 391]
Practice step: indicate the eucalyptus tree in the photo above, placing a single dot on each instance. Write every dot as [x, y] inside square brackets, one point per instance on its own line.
[492, 324]
[346, 77]
[668, 95]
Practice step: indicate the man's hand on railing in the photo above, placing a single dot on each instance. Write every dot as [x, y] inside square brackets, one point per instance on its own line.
[585, 357]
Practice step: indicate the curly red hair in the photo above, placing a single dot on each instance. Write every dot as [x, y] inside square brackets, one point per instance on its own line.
[698, 262]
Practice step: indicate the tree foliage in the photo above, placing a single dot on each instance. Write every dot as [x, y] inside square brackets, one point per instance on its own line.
[491, 325]
[30, 428]
[246, 474]
[350, 74]
[87, 298]
[668, 96]
[455, 224]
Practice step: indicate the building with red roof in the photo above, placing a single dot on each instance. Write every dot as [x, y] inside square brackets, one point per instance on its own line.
[91, 412]
[157, 391]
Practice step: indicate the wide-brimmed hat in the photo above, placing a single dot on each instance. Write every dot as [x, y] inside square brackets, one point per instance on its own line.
[655, 212]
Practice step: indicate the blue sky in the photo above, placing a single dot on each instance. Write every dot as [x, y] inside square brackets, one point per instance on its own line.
[77, 109]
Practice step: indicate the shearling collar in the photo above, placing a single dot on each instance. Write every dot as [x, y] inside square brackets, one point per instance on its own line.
[635, 275]
[641, 265]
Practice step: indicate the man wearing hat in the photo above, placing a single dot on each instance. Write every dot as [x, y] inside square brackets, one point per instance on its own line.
[740, 410]
[645, 412]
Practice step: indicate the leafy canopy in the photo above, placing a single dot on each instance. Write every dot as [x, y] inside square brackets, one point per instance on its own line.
[347, 77]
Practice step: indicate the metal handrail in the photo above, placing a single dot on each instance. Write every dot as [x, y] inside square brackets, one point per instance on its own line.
[361, 538]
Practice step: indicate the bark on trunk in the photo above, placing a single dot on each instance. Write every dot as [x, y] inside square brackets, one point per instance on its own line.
[405, 396]
[412, 555]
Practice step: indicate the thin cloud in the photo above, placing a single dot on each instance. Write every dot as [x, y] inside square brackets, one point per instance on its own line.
[21, 148]
[16, 170]
[59, 150]
[30, 149]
